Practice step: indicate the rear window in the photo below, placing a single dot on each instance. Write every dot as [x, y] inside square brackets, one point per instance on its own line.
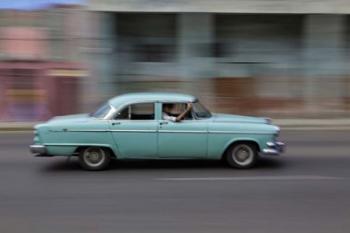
[143, 111]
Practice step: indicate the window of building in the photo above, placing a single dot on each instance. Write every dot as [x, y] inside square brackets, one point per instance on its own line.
[153, 52]
[147, 37]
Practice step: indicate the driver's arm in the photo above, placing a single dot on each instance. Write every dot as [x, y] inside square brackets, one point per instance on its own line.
[168, 118]
[182, 115]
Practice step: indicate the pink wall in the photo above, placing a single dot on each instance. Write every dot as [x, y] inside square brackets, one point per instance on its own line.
[24, 43]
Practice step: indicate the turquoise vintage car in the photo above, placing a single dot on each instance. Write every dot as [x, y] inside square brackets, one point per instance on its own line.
[132, 126]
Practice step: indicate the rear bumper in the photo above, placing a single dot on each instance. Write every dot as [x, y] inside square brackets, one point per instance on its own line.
[274, 148]
[38, 149]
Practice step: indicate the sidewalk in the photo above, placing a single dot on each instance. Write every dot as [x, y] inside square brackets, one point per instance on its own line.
[285, 124]
[17, 126]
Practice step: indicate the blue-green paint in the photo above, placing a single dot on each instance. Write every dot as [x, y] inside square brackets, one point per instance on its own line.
[198, 138]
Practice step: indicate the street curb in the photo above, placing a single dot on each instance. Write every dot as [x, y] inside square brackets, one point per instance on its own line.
[284, 124]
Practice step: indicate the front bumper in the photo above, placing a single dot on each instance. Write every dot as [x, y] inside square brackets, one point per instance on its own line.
[38, 149]
[274, 148]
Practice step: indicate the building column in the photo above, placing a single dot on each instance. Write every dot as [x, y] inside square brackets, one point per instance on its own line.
[98, 53]
[195, 42]
[324, 57]
[195, 52]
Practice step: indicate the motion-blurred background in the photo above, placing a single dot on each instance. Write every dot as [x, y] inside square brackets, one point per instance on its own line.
[283, 59]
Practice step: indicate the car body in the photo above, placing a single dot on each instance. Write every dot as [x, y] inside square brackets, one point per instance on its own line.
[126, 127]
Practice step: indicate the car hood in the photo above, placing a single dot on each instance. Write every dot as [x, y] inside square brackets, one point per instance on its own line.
[218, 117]
[70, 118]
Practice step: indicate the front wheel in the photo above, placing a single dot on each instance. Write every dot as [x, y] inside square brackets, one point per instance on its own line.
[94, 158]
[242, 155]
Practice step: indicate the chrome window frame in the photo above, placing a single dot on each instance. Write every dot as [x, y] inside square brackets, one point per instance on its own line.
[114, 110]
[112, 114]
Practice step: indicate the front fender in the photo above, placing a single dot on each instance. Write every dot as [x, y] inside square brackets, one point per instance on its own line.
[240, 139]
[220, 142]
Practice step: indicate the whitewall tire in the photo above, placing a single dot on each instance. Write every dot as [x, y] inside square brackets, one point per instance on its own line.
[94, 158]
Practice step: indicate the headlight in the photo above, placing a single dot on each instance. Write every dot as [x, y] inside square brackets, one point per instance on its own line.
[36, 138]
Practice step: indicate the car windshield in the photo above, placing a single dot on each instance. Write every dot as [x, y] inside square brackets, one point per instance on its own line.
[200, 111]
[101, 111]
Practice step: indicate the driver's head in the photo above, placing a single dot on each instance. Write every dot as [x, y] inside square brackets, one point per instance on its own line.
[168, 108]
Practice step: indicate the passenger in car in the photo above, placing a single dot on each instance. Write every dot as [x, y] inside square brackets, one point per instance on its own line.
[168, 108]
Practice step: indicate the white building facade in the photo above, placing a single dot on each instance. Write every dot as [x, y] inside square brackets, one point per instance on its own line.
[247, 56]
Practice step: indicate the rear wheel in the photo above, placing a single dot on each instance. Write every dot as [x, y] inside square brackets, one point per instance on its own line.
[94, 158]
[242, 155]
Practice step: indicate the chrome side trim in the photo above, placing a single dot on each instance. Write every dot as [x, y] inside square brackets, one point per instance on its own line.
[182, 131]
[107, 130]
[134, 130]
[160, 131]
[87, 130]
[238, 132]
[76, 144]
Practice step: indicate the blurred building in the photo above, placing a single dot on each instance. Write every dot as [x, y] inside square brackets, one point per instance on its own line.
[278, 58]
[39, 60]
[261, 57]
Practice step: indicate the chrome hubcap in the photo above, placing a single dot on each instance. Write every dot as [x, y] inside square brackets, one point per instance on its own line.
[94, 156]
[243, 155]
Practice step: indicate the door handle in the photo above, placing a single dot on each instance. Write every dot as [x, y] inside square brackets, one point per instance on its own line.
[115, 123]
[163, 123]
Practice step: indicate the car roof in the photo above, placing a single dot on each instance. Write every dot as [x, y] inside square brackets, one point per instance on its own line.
[151, 97]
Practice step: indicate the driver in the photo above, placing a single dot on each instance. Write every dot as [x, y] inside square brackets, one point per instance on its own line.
[167, 109]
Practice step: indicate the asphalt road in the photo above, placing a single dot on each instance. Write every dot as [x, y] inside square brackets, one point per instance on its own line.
[305, 190]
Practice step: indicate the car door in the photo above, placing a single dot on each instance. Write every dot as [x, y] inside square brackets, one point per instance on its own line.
[182, 140]
[134, 131]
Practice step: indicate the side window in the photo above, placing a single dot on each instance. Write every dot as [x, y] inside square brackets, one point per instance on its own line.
[142, 111]
[175, 109]
[123, 114]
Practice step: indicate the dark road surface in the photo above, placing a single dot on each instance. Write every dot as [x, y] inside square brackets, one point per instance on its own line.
[305, 190]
